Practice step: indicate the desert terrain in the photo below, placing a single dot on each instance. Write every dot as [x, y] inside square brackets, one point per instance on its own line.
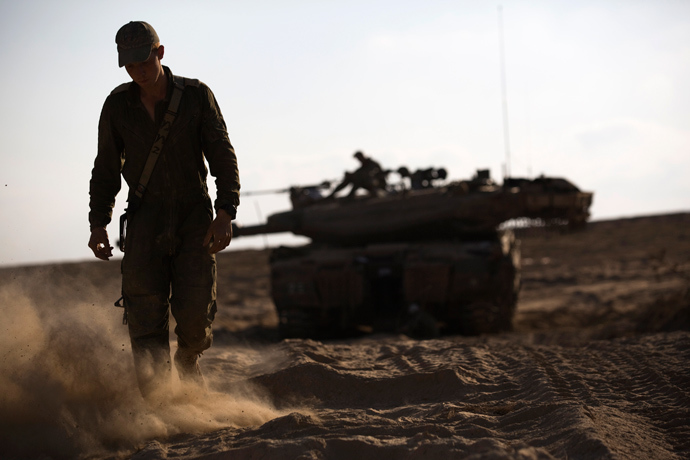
[596, 367]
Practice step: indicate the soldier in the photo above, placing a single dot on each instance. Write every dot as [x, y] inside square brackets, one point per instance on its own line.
[172, 237]
[369, 176]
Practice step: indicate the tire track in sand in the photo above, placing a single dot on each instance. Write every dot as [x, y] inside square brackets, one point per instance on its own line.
[610, 399]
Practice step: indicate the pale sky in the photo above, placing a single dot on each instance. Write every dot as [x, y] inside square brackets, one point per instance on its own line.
[597, 92]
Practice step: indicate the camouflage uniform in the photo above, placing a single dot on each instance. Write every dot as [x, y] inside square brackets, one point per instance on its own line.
[165, 264]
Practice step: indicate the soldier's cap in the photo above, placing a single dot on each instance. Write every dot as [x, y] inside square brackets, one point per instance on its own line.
[134, 42]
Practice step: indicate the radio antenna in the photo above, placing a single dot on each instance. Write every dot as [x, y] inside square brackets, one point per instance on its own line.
[506, 134]
[257, 208]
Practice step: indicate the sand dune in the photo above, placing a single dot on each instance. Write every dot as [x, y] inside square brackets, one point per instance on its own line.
[596, 368]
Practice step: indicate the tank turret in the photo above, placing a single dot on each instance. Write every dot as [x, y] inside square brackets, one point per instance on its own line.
[477, 205]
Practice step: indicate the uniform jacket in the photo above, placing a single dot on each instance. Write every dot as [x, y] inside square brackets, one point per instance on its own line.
[126, 134]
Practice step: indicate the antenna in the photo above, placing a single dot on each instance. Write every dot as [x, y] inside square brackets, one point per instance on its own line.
[257, 208]
[506, 135]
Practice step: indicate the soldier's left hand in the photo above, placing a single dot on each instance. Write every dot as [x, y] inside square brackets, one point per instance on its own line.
[219, 233]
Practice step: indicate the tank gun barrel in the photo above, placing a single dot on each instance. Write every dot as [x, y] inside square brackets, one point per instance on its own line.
[248, 230]
[277, 223]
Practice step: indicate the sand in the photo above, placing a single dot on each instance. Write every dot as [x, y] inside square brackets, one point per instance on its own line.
[597, 367]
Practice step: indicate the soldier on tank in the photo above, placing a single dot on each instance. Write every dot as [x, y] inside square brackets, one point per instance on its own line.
[369, 176]
[172, 236]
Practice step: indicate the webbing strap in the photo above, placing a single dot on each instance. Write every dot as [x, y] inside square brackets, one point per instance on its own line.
[163, 132]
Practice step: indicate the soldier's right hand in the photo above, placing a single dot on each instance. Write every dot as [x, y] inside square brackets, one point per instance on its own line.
[99, 243]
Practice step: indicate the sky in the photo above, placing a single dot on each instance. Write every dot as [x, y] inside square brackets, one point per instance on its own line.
[596, 92]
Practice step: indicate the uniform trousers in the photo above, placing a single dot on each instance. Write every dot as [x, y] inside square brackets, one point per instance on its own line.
[167, 269]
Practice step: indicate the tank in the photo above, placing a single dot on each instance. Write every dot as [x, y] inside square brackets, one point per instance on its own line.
[423, 261]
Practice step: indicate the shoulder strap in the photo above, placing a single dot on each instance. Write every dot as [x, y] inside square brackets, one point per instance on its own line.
[163, 132]
[191, 82]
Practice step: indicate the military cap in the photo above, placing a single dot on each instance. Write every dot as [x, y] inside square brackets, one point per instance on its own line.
[134, 42]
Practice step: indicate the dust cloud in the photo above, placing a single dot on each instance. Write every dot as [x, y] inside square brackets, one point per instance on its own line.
[67, 382]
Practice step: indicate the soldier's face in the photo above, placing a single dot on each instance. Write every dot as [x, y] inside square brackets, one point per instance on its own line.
[147, 73]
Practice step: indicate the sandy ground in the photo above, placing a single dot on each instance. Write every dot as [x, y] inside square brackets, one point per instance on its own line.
[597, 367]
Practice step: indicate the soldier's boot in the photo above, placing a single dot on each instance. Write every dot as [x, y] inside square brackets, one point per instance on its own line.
[153, 368]
[187, 364]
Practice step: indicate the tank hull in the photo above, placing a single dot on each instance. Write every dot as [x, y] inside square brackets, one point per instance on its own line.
[421, 289]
